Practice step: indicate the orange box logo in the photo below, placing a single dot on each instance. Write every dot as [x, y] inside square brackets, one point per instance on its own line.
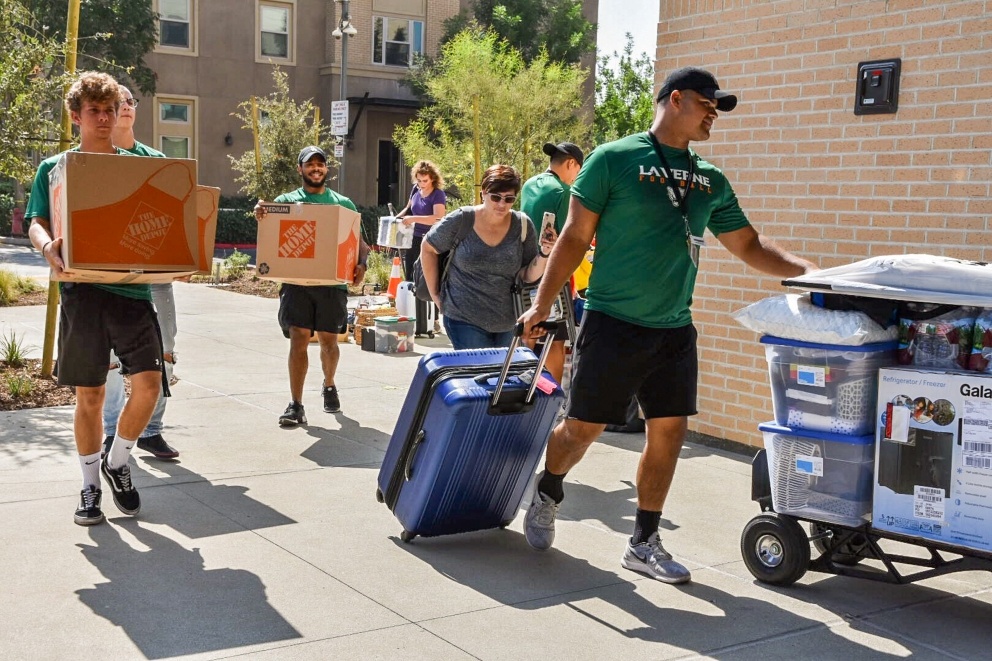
[347, 258]
[297, 239]
[58, 213]
[147, 230]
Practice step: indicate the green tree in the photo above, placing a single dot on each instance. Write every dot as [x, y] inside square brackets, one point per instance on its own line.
[554, 27]
[114, 36]
[521, 106]
[624, 94]
[30, 87]
[285, 127]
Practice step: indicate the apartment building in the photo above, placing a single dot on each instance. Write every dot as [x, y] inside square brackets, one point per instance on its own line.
[213, 54]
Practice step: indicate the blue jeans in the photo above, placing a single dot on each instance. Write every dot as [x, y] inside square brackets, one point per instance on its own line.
[464, 335]
[113, 404]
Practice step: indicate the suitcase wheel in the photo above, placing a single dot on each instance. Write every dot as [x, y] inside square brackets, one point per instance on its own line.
[430, 334]
[407, 536]
[379, 497]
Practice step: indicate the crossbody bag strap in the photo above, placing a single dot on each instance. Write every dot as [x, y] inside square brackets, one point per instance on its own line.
[465, 226]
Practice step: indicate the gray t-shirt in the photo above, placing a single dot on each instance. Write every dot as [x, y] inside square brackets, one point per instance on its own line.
[480, 276]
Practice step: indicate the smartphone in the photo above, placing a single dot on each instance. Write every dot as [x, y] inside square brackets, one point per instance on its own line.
[548, 223]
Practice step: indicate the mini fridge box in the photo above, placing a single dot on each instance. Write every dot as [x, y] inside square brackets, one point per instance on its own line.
[124, 218]
[308, 244]
[933, 462]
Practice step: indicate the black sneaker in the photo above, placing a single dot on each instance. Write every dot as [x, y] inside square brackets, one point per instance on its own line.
[332, 404]
[89, 513]
[158, 447]
[125, 495]
[107, 442]
[293, 415]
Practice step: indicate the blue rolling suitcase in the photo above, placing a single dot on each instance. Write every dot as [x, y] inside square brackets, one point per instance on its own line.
[467, 440]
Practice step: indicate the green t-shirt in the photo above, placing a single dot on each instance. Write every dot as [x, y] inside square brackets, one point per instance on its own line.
[327, 197]
[38, 208]
[545, 192]
[140, 149]
[643, 273]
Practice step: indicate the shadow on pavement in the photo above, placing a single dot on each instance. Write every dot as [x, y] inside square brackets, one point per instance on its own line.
[168, 604]
[505, 569]
[337, 447]
[230, 509]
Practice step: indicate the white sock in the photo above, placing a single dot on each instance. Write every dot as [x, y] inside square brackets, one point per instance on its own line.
[120, 452]
[90, 463]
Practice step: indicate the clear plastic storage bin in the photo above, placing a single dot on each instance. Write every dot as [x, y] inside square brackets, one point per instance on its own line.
[394, 334]
[394, 234]
[825, 387]
[820, 476]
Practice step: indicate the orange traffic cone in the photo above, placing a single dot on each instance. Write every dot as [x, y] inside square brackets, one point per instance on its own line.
[395, 277]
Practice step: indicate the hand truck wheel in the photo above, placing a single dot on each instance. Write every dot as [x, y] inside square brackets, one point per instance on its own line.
[775, 549]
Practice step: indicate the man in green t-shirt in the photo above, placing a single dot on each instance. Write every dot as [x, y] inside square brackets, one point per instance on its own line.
[550, 192]
[647, 199]
[305, 310]
[96, 319]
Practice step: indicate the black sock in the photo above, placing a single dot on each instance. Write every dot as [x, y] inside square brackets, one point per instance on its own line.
[552, 485]
[645, 525]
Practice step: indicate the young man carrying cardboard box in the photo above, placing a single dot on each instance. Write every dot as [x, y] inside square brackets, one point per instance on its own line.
[316, 308]
[97, 318]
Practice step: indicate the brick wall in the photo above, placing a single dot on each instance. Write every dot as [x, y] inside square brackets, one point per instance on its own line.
[824, 183]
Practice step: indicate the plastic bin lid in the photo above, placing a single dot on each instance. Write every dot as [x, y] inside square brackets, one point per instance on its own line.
[866, 348]
[393, 319]
[776, 428]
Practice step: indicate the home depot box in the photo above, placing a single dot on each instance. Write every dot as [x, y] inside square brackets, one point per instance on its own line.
[308, 244]
[124, 218]
[933, 462]
[207, 205]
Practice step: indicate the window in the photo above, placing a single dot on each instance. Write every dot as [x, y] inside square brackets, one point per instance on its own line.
[275, 26]
[396, 40]
[175, 126]
[175, 24]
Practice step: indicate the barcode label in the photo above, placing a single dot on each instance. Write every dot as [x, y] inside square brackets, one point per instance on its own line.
[928, 503]
[930, 498]
[976, 462]
[977, 446]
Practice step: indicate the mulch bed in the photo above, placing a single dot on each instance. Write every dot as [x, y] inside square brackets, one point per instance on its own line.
[43, 392]
[39, 297]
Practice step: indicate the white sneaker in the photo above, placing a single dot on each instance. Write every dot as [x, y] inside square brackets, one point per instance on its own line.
[652, 559]
[539, 524]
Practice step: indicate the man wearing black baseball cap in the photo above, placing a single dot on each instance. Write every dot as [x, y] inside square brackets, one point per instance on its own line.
[647, 199]
[305, 310]
[550, 192]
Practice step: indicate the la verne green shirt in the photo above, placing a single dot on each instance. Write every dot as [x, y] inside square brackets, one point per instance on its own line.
[38, 208]
[643, 273]
[327, 197]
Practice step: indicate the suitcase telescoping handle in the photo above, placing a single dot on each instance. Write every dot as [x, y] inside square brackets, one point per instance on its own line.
[518, 331]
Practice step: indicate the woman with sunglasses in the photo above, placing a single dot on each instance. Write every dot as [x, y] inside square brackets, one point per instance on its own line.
[490, 245]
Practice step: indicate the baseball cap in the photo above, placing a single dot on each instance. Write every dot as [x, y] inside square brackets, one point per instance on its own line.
[309, 152]
[698, 80]
[564, 148]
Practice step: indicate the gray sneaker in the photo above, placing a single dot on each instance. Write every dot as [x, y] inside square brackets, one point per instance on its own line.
[652, 559]
[539, 524]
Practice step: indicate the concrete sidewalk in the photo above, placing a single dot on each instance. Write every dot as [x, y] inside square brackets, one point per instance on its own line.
[263, 542]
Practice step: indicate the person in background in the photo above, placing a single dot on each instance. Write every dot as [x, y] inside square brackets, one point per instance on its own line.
[495, 245]
[550, 192]
[305, 310]
[97, 319]
[427, 205]
[150, 439]
[647, 199]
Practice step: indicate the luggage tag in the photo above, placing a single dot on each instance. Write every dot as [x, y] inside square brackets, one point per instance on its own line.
[527, 377]
[546, 385]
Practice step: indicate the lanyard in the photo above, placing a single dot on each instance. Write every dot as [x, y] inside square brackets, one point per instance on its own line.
[679, 198]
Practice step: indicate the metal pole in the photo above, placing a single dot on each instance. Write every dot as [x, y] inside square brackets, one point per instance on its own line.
[343, 95]
[51, 312]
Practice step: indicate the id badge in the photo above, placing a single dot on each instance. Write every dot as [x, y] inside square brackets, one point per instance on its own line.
[693, 244]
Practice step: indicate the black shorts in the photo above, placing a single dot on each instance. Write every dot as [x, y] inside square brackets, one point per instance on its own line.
[92, 323]
[614, 360]
[320, 308]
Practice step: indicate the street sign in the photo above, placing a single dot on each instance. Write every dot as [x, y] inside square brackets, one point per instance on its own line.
[339, 117]
[338, 151]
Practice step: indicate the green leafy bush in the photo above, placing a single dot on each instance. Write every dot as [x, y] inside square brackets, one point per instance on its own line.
[236, 220]
[370, 221]
[13, 351]
[12, 286]
[236, 264]
[6, 207]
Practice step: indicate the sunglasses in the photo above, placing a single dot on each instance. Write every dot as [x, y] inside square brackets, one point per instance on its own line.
[131, 102]
[505, 197]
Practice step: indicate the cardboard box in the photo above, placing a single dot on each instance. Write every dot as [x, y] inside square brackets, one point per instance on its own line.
[207, 205]
[933, 463]
[308, 244]
[125, 218]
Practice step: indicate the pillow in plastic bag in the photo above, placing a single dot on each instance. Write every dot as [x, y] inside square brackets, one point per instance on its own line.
[793, 317]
